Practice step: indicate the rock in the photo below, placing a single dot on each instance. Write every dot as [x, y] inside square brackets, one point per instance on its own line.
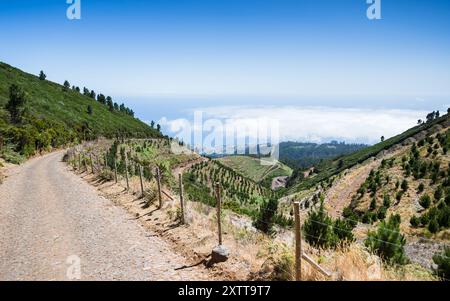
[219, 254]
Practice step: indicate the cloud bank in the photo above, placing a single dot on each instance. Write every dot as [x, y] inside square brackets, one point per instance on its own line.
[313, 124]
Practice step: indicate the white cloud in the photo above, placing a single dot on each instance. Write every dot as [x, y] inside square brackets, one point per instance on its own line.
[316, 124]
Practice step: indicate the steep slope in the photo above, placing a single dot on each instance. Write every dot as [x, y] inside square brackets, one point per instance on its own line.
[326, 170]
[54, 115]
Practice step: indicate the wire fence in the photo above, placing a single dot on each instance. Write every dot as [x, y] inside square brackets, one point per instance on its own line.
[98, 166]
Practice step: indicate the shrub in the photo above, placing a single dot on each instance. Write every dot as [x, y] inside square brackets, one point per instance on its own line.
[343, 230]
[433, 226]
[373, 204]
[265, 219]
[414, 221]
[387, 241]
[381, 214]
[442, 260]
[421, 188]
[425, 201]
[405, 185]
[386, 201]
[318, 229]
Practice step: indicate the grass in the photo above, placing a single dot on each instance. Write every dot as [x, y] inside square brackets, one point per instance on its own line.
[252, 168]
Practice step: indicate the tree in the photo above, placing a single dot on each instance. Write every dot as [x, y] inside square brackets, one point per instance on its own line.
[433, 226]
[152, 124]
[16, 103]
[86, 92]
[66, 86]
[116, 106]
[110, 104]
[425, 201]
[442, 260]
[387, 241]
[89, 110]
[42, 75]
[101, 98]
[92, 94]
[382, 138]
[265, 218]
[158, 128]
[404, 185]
[318, 228]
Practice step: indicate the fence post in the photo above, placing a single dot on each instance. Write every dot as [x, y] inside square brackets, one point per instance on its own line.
[142, 183]
[79, 161]
[180, 182]
[298, 242]
[92, 163]
[158, 179]
[126, 170]
[219, 205]
[115, 170]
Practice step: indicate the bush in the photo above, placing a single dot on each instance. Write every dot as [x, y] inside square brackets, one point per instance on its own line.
[387, 241]
[321, 231]
[433, 226]
[442, 260]
[421, 188]
[265, 219]
[386, 201]
[414, 221]
[318, 229]
[425, 201]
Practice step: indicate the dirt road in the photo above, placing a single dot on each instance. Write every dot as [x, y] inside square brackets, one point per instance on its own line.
[54, 226]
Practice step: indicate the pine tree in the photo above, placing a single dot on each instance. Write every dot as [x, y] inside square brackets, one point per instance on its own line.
[16, 103]
[42, 75]
[387, 241]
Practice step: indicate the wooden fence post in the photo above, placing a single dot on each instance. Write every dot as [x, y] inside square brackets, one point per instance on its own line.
[142, 183]
[298, 242]
[219, 205]
[180, 182]
[115, 170]
[158, 179]
[126, 171]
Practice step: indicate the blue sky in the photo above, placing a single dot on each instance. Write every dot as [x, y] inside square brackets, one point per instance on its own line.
[168, 56]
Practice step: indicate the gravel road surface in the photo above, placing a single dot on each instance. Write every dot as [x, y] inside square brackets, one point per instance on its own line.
[55, 226]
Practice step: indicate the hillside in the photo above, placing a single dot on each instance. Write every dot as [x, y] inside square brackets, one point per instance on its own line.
[54, 115]
[403, 188]
[324, 171]
[252, 168]
[300, 155]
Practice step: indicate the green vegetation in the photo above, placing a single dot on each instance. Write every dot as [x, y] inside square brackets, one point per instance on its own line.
[252, 168]
[38, 115]
[326, 169]
[442, 260]
[300, 155]
[322, 231]
[387, 241]
[239, 194]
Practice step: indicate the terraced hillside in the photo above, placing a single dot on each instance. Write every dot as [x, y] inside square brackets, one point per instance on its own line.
[252, 168]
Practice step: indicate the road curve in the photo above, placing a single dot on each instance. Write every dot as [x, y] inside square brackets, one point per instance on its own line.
[54, 226]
